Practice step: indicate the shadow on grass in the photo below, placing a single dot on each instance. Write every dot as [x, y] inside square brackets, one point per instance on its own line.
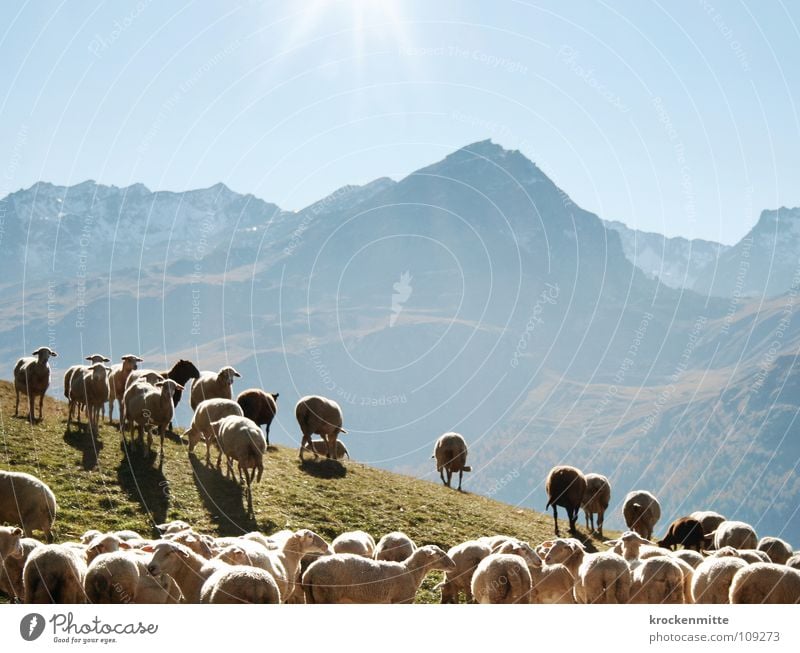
[223, 498]
[142, 481]
[323, 467]
[79, 437]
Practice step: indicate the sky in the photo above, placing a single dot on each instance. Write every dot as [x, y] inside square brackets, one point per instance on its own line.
[675, 117]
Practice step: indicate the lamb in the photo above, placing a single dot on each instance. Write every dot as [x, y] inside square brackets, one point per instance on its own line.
[502, 578]
[641, 511]
[685, 531]
[348, 578]
[207, 412]
[658, 580]
[356, 542]
[765, 582]
[394, 546]
[565, 487]
[737, 534]
[89, 387]
[150, 405]
[241, 439]
[94, 358]
[32, 378]
[321, 447]
[450, 452]
[54, 573]
[27, 502]
[241, 584]
[259, 406]
[595, 500]
[778, 550]
[603, 578]
[116, 381]
[467, 557]
[708, 519]
[188, 569]
[321, 416]
[14, 551]
[712, 578]
[210, 385]
[549, 583]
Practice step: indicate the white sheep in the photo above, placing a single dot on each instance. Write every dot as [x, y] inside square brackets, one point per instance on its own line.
[395, 546]
[89, 387]
[603, 578]
[150, 406]
[712, 578]
[569, 552]
[159, 589]
[94, 358]
[322, 416]
[595, 501]
[778, 550]
[241, 439]
[450, 452]
[32, 378]
[348, 578]
[174, 526]
[502, 578]
[113, 577]
[187, 568]
[14, 551]
[737, 534]
[241, 584]
[27, 502]
[641, 511]
[630, 544]
[213, 385]
[136, 376]
[658, 580]
[117, 378]
[549, 583]
[104, 543]
[320, 447]
[689, 556]
[494, 542]
[467, 557]
[765, 582]
[356, 542]
[54, 573]
[202, 545]
[207, 412]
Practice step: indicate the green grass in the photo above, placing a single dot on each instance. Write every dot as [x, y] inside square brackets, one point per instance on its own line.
[97, 486]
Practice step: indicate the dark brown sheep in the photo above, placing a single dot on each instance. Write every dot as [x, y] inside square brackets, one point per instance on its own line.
[686, 531]
[259, 406]
[565, 487]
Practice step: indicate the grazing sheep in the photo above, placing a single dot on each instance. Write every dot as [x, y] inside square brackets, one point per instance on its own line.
[116, 381]
[160, 589]
[603, 578]
[502, 578]
[348, 578]
[27, 502]
[394, 546]
[467, 557]
[207, 412]
[241, 584]
[200, 544]
[210, 385]
[174, 526]
[778, 550]
[658, 580]
[113, 577]
[321, 447]
[565, 487]
[794, 561]
[689, 556]
[737, 534]
[595, 500]
[712, 578]
[549, 583]
[494, 542]
[641, 511]
[708, 519]
[241, 439]
[188, 569]
[687, 532]
[450, 452]
[149, 405]
[94, 358]
[54, 573]
[765, 582]
[32, 378]
[108, 543]
[89, 387]
[259, 406]
[358, 543]
[321, 416]
[14, 552]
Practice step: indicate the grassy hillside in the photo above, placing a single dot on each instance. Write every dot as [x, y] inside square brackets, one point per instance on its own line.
[97, 486]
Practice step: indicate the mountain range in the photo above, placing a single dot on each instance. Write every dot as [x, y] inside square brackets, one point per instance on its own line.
[472, 295]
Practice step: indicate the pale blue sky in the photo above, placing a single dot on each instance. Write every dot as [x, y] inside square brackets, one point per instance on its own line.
[290, 100]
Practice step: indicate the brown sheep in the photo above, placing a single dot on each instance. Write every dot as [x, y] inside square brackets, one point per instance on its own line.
[451, 456]
[565, 487]
[685, 531]
[641, 511]
[319, 415]
[259, 406]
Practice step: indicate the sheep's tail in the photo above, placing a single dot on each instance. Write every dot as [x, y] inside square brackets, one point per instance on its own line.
[18, 366]
[466, 468]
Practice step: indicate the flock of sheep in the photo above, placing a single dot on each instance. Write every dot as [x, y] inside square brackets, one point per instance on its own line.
[716, 561]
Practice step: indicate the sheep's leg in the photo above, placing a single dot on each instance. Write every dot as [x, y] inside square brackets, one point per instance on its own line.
[449, 477]
[555, 518]
[460, 476]
[441, 473]
[208, 453]
[266, 430]
[41, 401]
[31, 408]
[16, 406]
[600, 522]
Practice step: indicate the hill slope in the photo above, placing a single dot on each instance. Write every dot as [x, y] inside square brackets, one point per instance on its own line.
[97, 487]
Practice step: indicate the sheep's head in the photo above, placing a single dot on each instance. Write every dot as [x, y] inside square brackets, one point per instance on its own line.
[561, 550]
[193, 541]
[234, 555]
[98, 358]
[186, 368]
[193, 435]
[173, 526]
[227, 374]
[104, 544]
[306, 541]
[430, 556]
[168, 387]
[523, 550]
[130, 362]
[10, 546]
[168, 557]
[99, 370]
[89, 535]
[44, 354]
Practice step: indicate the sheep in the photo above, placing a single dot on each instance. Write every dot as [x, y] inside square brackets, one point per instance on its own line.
[89, 387]
[116, 381]
[565, 487]
[685, 531]
[356, 542]
[158, 589]
[568, 552]
[708, 519]
[181, 372]
[658, 580]
[450, 452]
[348, 578]
[188, 569]
[595, 500]
[94, 358]
[641, 511]
[113, 577]
[502, 578]
[778, 550]
[549, 583]
[466, 557]
[322, 416]
[629, 545]
[150, 405]
[213, 384]
[496, 541]
[748, 555]
[394, 546]
[794, 561]
[198, 543]
[174, 526]
[321, 447]
[603, 578]
[737, 534]
[241, 439]
[54, 573]
[259, 406]
[765, 582]
[107, 543]
[241, 584]
[32, 378]
[208, 411]
[137, 376]
[689, 556]
[11, 567]
[712, 578]
[27, 502]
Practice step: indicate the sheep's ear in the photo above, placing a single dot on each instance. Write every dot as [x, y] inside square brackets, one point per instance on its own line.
[275, 395]
[88, 358]
[17, 532]
[124, 545]
[178, 387]
[36, 353]
[548, 543]
[611, 542]
[148, 548]
[235, 373]
[158, 383]
[184, 554]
